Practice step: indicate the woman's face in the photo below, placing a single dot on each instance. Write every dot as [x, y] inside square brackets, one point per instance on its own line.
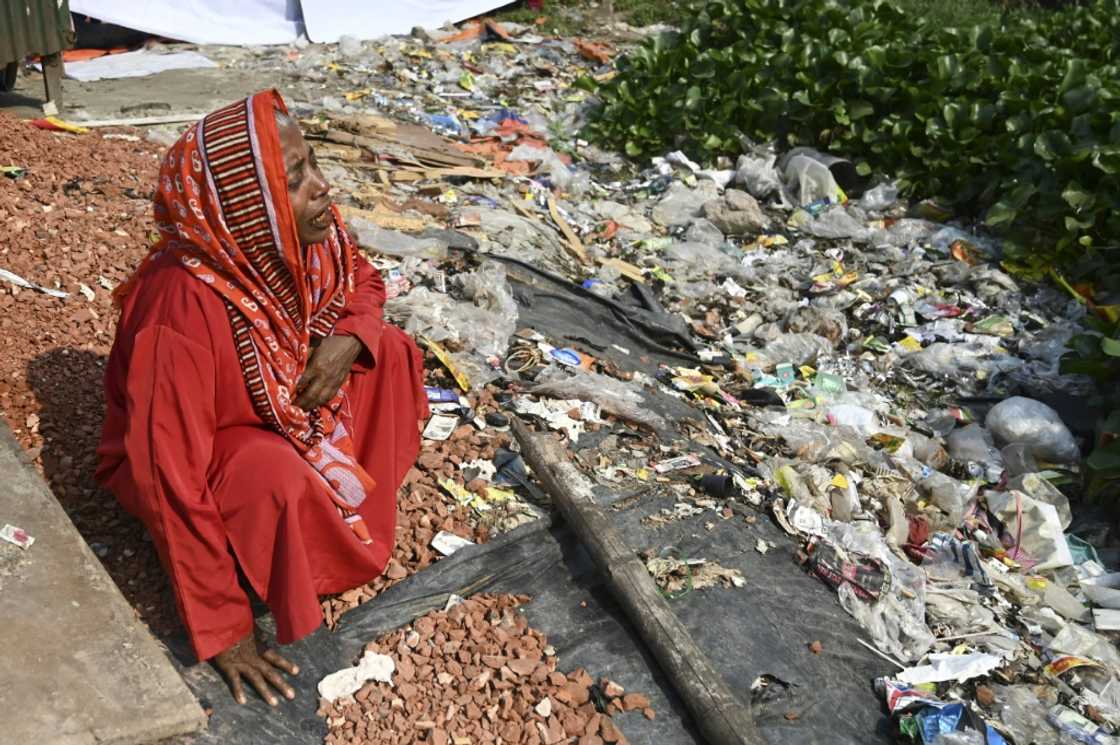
[308, 191]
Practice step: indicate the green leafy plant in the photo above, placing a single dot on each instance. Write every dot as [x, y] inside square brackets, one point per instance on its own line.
[1013, 120]
[1096, 353]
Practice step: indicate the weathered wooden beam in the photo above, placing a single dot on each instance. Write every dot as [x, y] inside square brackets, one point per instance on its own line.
[719, 715]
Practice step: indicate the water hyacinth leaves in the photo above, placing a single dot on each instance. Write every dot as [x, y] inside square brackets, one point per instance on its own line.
[1014, 121]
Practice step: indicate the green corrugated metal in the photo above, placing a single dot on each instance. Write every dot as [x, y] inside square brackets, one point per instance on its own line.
[33, 27]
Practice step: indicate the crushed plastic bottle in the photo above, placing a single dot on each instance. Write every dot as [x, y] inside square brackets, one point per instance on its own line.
[879, 198]
[1070, 723]
[858, 418]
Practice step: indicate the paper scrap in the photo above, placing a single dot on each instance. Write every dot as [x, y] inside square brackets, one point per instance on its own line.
[1105, 619]
[945, 667]
[691, 460]
[804, 519]
[448, 543]
[556, 413]
[347, 682]
[440, 427]
[19, 281]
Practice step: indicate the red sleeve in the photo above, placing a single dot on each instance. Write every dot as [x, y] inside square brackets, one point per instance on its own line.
[170, 394]
[362, 317]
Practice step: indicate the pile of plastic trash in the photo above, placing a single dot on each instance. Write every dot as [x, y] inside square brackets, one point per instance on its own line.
[859, 370]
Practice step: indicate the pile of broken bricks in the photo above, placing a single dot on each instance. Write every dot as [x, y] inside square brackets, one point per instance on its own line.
[478, 673]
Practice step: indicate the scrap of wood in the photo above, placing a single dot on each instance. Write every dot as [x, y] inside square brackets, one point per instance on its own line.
[532, 218]
[366, 124]
[575, 245]
[625, 268]
[466, 172]
[406, 146]
[455, 171]
[335, 151]
[384, 217]
[145, 121]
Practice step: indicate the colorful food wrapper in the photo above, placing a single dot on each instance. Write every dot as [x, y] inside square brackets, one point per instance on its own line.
[18, 536]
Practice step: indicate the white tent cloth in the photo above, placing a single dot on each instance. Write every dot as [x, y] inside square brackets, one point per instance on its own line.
[244, 22]
[329, 20]
[248, 22]
[135, 65]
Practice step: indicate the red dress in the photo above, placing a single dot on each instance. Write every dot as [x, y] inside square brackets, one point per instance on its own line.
[184, 450]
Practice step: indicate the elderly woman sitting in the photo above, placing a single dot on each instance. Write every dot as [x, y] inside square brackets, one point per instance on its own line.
[261, 414]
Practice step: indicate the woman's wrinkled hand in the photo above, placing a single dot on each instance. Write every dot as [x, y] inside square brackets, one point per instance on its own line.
[248, 660]
[326, 371]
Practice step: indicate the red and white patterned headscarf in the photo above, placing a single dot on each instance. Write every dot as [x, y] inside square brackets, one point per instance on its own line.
[222, 208]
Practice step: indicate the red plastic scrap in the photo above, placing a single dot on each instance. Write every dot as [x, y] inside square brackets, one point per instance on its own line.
[477, 28]
[594, 51]
[606, 232]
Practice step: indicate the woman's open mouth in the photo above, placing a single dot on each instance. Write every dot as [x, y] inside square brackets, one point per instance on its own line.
[322, 220]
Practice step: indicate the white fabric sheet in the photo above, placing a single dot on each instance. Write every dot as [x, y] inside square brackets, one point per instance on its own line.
[240, 22]
[329, 20]
[134, 65]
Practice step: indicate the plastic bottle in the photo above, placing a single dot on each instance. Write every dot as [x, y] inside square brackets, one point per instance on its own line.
[1023, 715]
[857, 417]
[879, 198]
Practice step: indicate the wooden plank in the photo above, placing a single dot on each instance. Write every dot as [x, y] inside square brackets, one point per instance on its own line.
[575, 245]
[415, 150]
[146, 121]
[719, 715]
[625, 268]
[52, 78]
[386, 218]
[334, 151]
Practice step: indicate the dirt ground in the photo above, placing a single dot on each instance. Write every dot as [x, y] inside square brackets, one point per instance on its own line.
[171, 92]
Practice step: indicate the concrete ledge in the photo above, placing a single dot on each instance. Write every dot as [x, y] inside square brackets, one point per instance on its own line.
[76, 667]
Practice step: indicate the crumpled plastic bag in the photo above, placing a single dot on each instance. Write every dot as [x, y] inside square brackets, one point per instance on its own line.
[613, 396]
[1036, 525]
[483, 325]
[758, 175]
[896, 622]
[879, 198]
[1025, 420]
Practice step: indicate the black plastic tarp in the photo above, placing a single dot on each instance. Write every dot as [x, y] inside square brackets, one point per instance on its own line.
[570, 313]
[764, 628]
